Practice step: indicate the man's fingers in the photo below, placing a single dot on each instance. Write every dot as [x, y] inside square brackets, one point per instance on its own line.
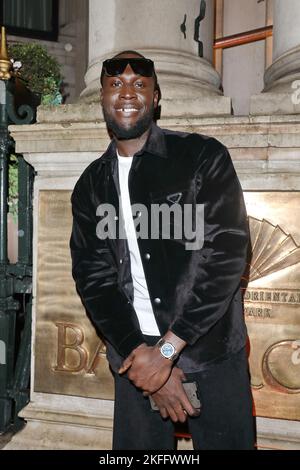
[182, 376]
[180, 412]
[172, 414]
[186, 405]
[125, 366]
[163, 413]
[177, 413]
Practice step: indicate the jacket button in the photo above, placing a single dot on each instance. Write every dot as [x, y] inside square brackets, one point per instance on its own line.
[147, 256]
[138, 214]
[157, 301]
[121, 261]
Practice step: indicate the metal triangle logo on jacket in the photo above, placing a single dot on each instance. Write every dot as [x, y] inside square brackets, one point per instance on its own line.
[174, 198]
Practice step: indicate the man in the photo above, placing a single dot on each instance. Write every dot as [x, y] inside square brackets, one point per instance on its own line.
[170, 311]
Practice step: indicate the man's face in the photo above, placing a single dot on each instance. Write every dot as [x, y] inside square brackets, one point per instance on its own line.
[128, 101]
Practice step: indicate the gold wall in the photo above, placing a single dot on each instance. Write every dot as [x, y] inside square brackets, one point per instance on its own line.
[70, 358]
[272, 303]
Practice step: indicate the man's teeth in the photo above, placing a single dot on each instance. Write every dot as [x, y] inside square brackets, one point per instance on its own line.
[127, 110]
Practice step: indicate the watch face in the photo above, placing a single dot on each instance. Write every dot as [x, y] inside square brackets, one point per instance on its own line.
[167, 350]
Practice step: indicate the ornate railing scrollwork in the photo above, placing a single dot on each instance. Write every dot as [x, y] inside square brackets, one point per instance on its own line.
[23, 115]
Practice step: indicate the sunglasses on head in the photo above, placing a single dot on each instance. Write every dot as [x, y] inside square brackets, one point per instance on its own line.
[140, 66]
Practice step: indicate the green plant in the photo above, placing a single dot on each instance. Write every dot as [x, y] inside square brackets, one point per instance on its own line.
[39, 70]
[41, 74]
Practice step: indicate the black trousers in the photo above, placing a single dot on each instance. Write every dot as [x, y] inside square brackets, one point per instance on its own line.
[225, 422]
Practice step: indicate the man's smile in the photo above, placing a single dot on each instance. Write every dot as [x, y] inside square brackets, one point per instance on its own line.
[127, 110]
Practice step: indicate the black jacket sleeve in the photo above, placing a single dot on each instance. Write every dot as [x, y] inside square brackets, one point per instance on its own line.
[215, 270]
[96, 276]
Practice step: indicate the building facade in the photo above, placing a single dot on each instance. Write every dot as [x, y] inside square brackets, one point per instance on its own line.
[71, 402]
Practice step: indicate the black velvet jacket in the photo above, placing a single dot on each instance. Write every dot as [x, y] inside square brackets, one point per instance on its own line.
[195, 293]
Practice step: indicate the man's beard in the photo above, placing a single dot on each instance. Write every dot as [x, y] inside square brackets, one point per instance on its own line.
[123, 133]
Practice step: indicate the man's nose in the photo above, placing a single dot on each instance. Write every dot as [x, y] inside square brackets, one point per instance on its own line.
[127, 91]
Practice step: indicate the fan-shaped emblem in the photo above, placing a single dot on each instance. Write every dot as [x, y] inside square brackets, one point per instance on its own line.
[272, 249]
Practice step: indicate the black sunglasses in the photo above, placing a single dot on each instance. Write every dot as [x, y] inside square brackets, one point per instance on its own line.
[140, 66]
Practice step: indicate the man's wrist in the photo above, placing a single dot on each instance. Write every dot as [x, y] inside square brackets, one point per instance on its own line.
[167, 349]
[170, 346]
[178, 343]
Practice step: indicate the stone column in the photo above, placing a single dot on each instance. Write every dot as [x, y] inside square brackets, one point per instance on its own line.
[280, 94]
[190, 85]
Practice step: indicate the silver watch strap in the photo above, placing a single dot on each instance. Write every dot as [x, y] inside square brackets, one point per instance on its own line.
[161, 342]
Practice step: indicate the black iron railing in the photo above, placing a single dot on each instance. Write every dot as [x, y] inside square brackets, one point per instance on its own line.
[15, 278]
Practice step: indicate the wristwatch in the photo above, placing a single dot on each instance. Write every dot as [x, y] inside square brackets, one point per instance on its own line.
[167, 349]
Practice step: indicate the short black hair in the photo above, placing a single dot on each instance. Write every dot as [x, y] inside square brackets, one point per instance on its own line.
[156, 84]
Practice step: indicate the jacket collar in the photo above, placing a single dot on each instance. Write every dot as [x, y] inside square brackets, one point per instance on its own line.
[155, 145]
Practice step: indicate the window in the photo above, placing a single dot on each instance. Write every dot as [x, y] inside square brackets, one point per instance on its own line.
[30, 18]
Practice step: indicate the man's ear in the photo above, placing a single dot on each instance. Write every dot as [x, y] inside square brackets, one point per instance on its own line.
[101, 96]
[155, 98]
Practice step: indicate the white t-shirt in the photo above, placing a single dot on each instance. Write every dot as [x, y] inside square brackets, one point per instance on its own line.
[142, 303]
